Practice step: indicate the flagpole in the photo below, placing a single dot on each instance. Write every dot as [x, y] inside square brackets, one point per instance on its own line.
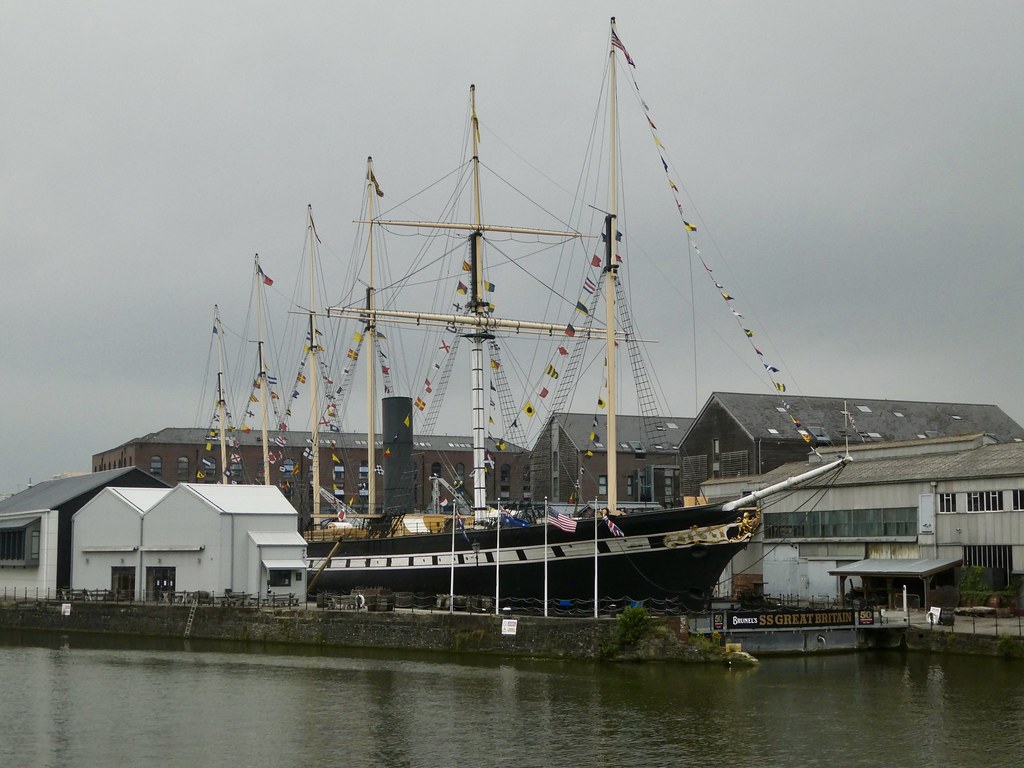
[451, 589]
[497, 567]
[545, 556]
[595, 555]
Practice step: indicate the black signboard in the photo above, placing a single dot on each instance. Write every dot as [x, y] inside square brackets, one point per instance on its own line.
[793, 619]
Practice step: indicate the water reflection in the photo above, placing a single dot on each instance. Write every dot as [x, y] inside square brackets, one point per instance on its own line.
[90, 700]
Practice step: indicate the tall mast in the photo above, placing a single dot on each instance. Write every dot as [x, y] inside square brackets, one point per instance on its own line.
[222, 409]
[314, 370]
[611, 273]
[264, 389]
[478, 321]
[478, 305]
[371, 360]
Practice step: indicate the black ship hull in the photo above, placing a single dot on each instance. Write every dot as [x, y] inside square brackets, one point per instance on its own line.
[676, 555]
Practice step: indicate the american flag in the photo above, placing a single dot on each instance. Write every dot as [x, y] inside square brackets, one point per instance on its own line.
[616, 43]
[561, 521]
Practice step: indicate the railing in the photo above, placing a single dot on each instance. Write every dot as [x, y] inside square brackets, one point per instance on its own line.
[152, 597]
[484, 604]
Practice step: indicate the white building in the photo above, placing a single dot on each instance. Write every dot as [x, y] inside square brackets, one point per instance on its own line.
[35, 529]
[934, 504]
[212, 538]
[28, 553]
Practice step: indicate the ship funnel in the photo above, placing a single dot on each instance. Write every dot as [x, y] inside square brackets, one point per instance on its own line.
[396, 454]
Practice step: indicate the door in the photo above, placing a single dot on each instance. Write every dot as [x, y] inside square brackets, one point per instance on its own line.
[122, 582]
[159, 583]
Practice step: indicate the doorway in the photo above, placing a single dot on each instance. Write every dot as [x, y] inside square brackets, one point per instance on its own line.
[160, 583]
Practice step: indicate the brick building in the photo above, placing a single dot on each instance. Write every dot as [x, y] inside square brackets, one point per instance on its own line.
[738, 434]
[176, 455]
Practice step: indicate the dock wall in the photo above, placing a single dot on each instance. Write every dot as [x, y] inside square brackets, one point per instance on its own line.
[437, 631]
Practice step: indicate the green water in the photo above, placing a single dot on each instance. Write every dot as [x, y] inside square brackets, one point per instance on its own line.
[87, 701]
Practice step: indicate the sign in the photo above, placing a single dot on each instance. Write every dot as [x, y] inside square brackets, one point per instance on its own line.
[794, 619]
[508, 626]
[65, 609]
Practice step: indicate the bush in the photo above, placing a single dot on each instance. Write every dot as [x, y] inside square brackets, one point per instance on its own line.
[634, 624]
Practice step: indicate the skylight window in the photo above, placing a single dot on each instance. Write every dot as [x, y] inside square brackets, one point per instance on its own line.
[958, 418]
[671, 425]
[772, 431]
[780, 409]
[897, 414]
[863, 409]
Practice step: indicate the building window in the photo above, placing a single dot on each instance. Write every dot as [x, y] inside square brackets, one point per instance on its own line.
[183, 468]
[842, 523]
[287, 467]
[207, 471]
[278, 578]
[156, 466]
[984, 501]
[460, 473]
[947, 502]
[996, 559]
[12, 545]
[236, 471]
[630, 486]
[435, 469]
[602, 485]
[339, 480]
[669, 492]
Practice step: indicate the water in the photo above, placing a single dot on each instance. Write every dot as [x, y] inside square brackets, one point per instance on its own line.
[87, 701]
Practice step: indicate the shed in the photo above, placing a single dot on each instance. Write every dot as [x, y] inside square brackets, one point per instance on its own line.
[888, 571]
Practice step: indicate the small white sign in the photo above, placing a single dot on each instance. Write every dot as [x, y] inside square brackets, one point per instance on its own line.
[508, 626]
[65, 609]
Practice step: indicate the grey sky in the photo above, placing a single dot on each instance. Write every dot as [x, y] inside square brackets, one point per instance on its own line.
[858, 171]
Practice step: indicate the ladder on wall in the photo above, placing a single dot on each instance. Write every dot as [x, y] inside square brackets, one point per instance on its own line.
[191, 616]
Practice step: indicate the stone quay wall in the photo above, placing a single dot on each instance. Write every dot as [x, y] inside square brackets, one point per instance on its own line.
[535, 636]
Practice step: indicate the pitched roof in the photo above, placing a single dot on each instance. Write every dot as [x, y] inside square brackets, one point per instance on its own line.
[766, 417]
[343, 440]
[52, 494]
[142, 499]
[984, 461]
[242, 499]
[669, 432]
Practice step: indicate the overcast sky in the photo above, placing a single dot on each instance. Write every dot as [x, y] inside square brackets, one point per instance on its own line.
[856, 170]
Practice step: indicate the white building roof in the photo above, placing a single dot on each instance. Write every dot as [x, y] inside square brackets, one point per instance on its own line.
[243, 499]
[142, 499]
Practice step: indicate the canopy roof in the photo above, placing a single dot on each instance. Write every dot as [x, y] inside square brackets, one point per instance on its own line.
[883, 568]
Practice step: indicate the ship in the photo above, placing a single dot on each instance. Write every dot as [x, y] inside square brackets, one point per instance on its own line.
[551, 560]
